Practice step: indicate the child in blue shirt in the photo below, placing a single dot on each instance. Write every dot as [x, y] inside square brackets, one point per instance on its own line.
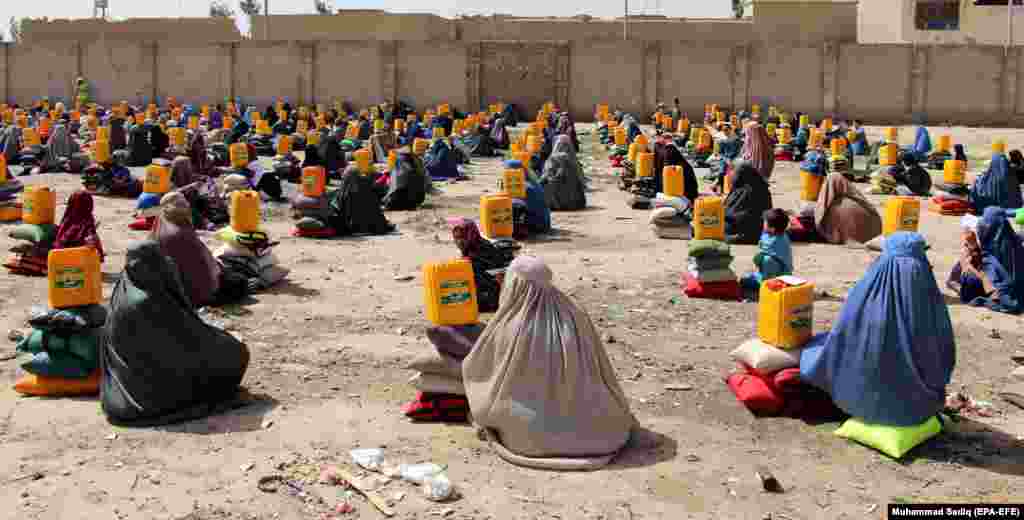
[775, 255]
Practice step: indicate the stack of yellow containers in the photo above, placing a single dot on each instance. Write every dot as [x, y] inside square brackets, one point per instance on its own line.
[37, 229]
[311, 208]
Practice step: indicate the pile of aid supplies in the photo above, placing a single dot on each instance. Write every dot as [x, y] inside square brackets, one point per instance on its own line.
[671, 213]
[10, 208]
[813, 171]
[709, 271]
[311, 208]
[36, 233]
[247, 250]
[65, 337]
[156, 184]
[768, 378]
[451, 305]
[952, 195]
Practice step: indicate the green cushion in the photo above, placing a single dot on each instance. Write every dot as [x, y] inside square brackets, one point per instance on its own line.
[894, 441]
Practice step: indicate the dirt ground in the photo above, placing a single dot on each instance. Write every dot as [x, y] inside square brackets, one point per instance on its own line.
[327, 375]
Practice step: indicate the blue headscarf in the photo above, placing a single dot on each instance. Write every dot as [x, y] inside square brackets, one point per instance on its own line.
[996, 187]
[412, 131]
[891, 352]
[814, 162]
[216, 120]
[1002, 261]
[923, 143]
[440, 161]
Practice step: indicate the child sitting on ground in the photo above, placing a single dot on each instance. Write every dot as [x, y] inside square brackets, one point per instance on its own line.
[775, 256]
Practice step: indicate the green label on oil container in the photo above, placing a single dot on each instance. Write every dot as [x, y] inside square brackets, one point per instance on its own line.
[709, 220]
[455, 298]
[69, 278]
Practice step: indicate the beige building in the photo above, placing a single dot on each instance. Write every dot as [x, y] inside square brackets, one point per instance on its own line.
[950, 22]
[195, 30]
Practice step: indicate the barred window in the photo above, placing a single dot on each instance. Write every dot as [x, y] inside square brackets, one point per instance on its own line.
[938, 15]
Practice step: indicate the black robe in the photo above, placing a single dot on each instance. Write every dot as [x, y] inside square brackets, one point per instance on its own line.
[745, 205]
[141, 151]
[355, 207]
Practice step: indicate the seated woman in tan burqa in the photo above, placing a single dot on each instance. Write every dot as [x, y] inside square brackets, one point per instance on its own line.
[539, 381]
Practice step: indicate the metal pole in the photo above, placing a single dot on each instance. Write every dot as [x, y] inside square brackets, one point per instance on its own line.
[266, 19]
[625, 22]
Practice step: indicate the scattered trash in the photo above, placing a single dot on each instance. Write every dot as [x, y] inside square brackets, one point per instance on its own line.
[994, 334]
[267, 423]
[111, 437]
[693, 457]
[872, 508]
[247, 467]
[344, 508]
[609, 339]
[370, 459]
[679, 387]
[418, 473]
[404, 278]
[960, 403]
[768, 481]
[35, 475]
[437, 487]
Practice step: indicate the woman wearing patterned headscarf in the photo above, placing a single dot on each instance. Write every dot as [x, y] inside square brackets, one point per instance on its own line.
[758, 150]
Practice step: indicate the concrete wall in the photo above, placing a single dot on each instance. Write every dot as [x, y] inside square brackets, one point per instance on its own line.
[877, 83]
[880, 21]
[892, 21]
[806, 21]
[193, 30]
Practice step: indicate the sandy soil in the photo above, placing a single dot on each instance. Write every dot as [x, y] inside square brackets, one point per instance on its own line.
[327, 375]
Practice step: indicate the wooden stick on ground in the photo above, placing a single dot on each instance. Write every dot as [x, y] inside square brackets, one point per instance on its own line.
[373, 497]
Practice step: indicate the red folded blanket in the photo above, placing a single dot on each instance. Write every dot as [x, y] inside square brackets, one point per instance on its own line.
[26, 265]
[142, 224]
[783, 156]
[308, 233]
[781, 393]
[437, 408]
[694, 288]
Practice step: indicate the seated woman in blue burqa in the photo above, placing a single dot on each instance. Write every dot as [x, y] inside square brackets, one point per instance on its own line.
[991, 270]
[891, 352]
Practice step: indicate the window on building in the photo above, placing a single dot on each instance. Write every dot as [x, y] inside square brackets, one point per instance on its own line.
[938, 15]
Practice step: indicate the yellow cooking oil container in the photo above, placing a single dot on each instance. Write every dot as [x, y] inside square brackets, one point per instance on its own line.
[140, 118]
[620, 136]
[10, 213]
[534, 144]
[816, 140]
[399, 125]
[810, 186]
[39, 205]
[419, 146]
[705, 139]
[826, 124]
[438, 133]
[953, 172]
[30, 137]
[716, 148]
[263, 127]
[449, 291]
[44, 126]
[785, 313]
[392, 159]
[901, 214]
[103, 133]
[523, 158]
[514, 147]
[178, 136]
[695, 135]
[239, 154]
[838, 147]
[755, 109]
[805, 120]
[101, 152]
[945, 143]
[378, 125]
[672, 183]
[313, 138]
[302, 126]
[513, 183]
[158, 179]
[644, 164]
[75, 278]
[684, 126]
[784, 135]
[668, 123]
[314, 181]
[709, 218]
[999, 146]
[3, 169]
[496, 216]
[727, 185]
[362, 157]
[770, 129]
[631, 154]
[892, 134]
[642, 141]
[245, 211]
[284, 145]
[888, 154]
[229, 122]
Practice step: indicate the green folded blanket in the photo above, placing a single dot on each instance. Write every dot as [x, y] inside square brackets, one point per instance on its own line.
[702, 248]
[59, 355]
[35, 233]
